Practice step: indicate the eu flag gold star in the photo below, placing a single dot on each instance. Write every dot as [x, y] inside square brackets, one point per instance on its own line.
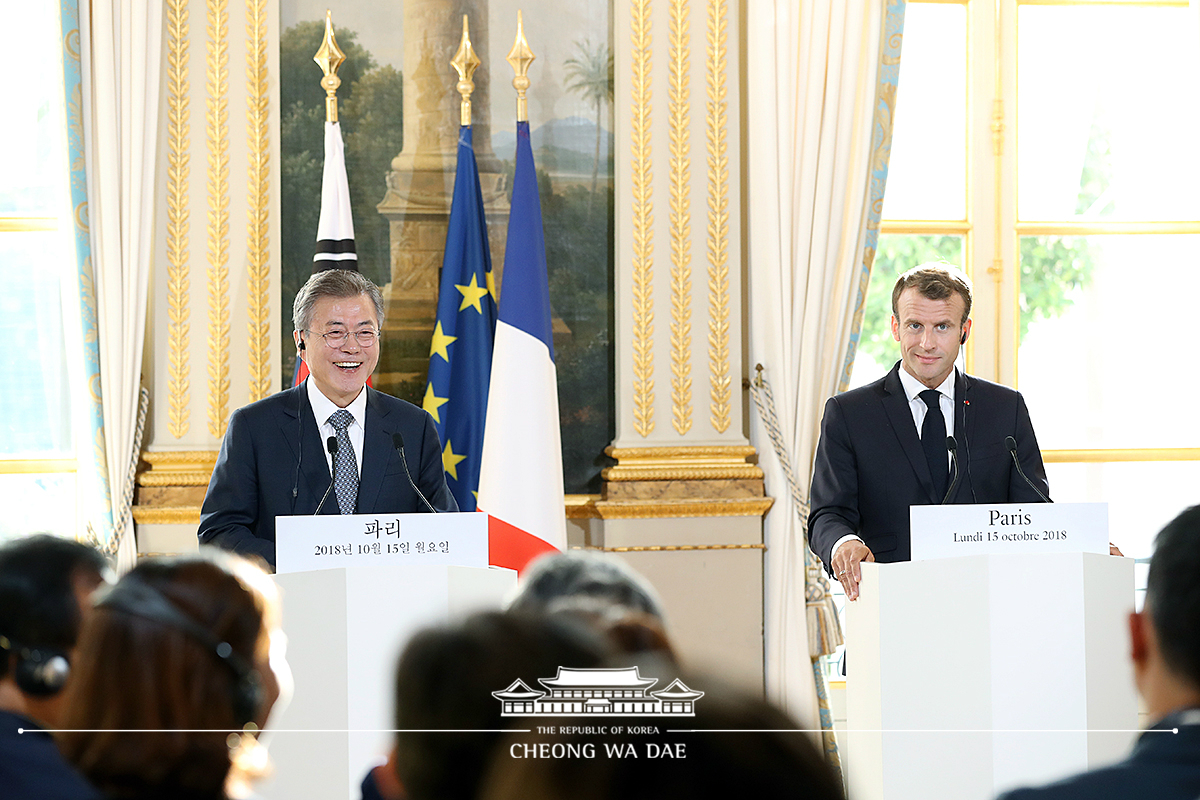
[441, 342]
[432, 403]
[450, 461]
[491, 284]
[472, 294]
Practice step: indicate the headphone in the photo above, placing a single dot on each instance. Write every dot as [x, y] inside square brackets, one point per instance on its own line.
[139, 599]
[39, 671]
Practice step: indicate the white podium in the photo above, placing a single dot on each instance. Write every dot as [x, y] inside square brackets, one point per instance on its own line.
[968, 676]
[346, 627]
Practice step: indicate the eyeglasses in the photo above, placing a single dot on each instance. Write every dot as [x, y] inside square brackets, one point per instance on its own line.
[335, 339]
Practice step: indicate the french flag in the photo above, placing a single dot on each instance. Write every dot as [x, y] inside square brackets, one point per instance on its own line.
[521, 477]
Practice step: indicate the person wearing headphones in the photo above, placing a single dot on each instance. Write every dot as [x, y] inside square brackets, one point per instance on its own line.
[179, 665]
[887, 445]
[45, 585]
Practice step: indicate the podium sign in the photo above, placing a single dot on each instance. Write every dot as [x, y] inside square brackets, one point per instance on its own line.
[979, 530]
[378, 540]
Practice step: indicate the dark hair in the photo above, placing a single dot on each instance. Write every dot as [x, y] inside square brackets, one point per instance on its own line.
[935, 282]
[139, 673]
[333, 283]
[445, 680]
[38, 605]
[768, 757]
[1173, 594]
[565, 577]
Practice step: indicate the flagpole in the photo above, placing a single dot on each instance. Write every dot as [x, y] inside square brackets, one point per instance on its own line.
[329, 58]
[520, 57]
[465, 62]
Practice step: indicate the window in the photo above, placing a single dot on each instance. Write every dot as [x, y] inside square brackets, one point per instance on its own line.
[37, 458]
[1077, 225]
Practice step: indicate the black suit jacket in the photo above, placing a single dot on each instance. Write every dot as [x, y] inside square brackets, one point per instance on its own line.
[1162, 766]
[272, 463]
[870, 467]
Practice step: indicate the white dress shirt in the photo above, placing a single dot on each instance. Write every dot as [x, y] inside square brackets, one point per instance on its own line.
[323, 408]
[913, 389]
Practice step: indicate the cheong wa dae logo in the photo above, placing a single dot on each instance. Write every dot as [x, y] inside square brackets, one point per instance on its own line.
[611, 692]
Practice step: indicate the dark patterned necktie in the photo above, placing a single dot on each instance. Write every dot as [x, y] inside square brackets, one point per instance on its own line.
[345, 467]
[933, 441]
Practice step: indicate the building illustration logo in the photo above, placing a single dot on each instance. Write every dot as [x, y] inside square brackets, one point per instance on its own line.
[612, 692]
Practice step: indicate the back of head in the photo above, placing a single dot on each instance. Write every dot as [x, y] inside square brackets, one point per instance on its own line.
[43, 580]
[753, 750]
[1173, 594]
[567, 577]
[170, 647]
[445, 681]
[934, 281]
[333, 283]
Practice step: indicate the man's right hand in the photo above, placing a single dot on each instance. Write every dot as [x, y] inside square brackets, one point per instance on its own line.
[846, 567]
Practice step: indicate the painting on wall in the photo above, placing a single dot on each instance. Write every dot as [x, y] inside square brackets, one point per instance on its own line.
[399, 114]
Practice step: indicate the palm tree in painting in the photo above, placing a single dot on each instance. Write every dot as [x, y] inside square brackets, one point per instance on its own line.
[590, 74]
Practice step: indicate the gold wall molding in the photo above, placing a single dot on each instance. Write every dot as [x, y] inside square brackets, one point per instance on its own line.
[178, 171]
[643, 226]
[216, 119]
[679, 116]
[681, 463]
[1100, 456]
[717, 121]
[177, 468]
[638, 509]
[165, 515]
[258, 212]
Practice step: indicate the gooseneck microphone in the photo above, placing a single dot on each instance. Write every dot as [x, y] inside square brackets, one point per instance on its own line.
[952, 446]
[1012, 451]
[331, 444]
[398, 443]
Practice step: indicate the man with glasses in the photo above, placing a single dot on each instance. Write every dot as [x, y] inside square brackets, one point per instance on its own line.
[329, 445]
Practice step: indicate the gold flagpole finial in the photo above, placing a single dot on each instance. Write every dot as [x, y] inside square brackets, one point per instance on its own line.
[465, 61]
[330, 57]
[521, 57]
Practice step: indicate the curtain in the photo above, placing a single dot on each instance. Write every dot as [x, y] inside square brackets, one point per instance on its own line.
[112, 68]
[822, 82]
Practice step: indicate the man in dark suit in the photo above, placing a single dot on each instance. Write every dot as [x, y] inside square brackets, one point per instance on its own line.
[884, 447]
[276, 458]
[1165, 648]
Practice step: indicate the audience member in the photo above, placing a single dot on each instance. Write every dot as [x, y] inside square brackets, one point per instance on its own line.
[566, 577]
[1165, 648]
[444, 685]
[45, 584]
[734, 746]
[175, 672]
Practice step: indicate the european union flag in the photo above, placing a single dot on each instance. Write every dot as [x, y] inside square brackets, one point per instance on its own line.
[460, 356]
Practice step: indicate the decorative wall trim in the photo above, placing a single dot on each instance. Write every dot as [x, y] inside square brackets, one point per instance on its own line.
[165, 515]
[178, 171]
[643, 226]
[177, 468]
[635, 509]
[717, 122]
[681, 221]
[258, 232]
[216, 118]
[681, 463]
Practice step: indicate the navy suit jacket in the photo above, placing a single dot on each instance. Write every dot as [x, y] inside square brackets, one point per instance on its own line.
[1162, 766]
[272, 463]
[870, 466]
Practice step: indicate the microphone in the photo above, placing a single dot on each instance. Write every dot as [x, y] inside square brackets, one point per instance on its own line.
[952, 446]
[398, 443]
[331, 444]
[1012, 451]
